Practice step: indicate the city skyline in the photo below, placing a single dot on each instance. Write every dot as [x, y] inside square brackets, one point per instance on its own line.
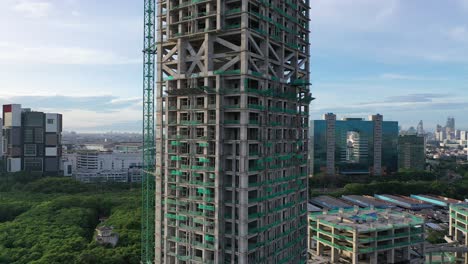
[393, 57]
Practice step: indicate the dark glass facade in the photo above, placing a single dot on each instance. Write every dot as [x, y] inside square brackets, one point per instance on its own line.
[355, 146]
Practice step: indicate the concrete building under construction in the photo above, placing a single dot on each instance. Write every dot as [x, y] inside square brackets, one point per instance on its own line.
[458, 230]
[366, 236]
[232, 104]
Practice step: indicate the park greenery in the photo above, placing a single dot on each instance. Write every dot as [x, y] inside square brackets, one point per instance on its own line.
[53, 220]
[448, 178]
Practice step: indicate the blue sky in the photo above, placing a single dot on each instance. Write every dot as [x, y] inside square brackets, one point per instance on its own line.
[407, 60]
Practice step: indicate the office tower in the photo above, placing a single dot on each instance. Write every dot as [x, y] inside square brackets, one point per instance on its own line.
[355, 146]
[450, 126]
[411, 152]
[31, 140]
[232, 98]
[420, 129]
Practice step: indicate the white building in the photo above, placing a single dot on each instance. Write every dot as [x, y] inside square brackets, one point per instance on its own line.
[91, 166]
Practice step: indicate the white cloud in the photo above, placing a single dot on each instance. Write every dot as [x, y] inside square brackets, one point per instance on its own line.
[394, 76]
[15, 54]
[33, 9]
[85, 120]
[459, 33]
[464, 3]
[362, 15]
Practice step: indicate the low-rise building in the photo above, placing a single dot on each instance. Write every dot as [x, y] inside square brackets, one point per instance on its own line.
[98, 166]
[106, 235]
[404, 202]
[366, 236]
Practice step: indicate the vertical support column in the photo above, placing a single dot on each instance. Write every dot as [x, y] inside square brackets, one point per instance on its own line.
[331, 143]
[355, 253]
[377, 120]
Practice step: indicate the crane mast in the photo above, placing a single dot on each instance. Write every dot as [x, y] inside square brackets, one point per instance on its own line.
[148, 180]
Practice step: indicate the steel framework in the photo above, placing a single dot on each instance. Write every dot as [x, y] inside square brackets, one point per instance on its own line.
[148, 181]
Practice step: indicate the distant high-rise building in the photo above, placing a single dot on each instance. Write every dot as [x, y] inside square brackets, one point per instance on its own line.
[420, 129]
[411, 152]
[450, 126]
[31, 140]
[411, 131]
[355, 146]
[463, 135]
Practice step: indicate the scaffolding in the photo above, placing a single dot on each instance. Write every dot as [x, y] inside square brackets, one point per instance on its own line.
[233, 96]
[458, 229]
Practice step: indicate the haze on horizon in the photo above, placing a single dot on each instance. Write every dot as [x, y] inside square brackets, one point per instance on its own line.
[406, 60]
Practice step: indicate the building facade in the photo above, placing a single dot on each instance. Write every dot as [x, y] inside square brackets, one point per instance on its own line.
[458, 229]
[355, 146]
[411, 152]
[31, 140]
[232, 131]
[98, 166]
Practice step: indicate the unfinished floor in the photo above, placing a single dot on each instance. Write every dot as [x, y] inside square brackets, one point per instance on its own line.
[233, 98]
[370, 236]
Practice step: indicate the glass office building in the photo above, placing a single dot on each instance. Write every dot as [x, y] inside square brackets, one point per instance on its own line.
[355, 146]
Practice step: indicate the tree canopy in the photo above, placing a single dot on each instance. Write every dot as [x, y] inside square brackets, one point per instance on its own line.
[53, 220]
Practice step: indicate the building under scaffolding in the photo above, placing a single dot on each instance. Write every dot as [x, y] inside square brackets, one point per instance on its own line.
[366, 236]
[458, 230]
[232, 110]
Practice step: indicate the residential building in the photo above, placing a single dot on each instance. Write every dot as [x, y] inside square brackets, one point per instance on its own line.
[367, 235]
[31, 140]
[232, 105]
[411, 152]
[355, 146]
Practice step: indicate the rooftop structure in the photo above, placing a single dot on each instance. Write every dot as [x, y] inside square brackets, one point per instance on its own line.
[232, 105]
[330, 203]
[404, 201]
[367, 201]
[437, 200]
[312, 208]
[366, 236]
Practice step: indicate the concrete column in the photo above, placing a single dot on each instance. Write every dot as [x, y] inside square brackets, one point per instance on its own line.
[391, 256]
[334, 254]
[319, 248]
[406, 253]
[355, 253]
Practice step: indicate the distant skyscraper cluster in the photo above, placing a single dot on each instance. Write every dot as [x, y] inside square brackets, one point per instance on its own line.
[449, 135]
[448, 132]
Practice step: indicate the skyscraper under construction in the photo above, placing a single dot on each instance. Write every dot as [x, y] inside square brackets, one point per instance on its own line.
[232, 115]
